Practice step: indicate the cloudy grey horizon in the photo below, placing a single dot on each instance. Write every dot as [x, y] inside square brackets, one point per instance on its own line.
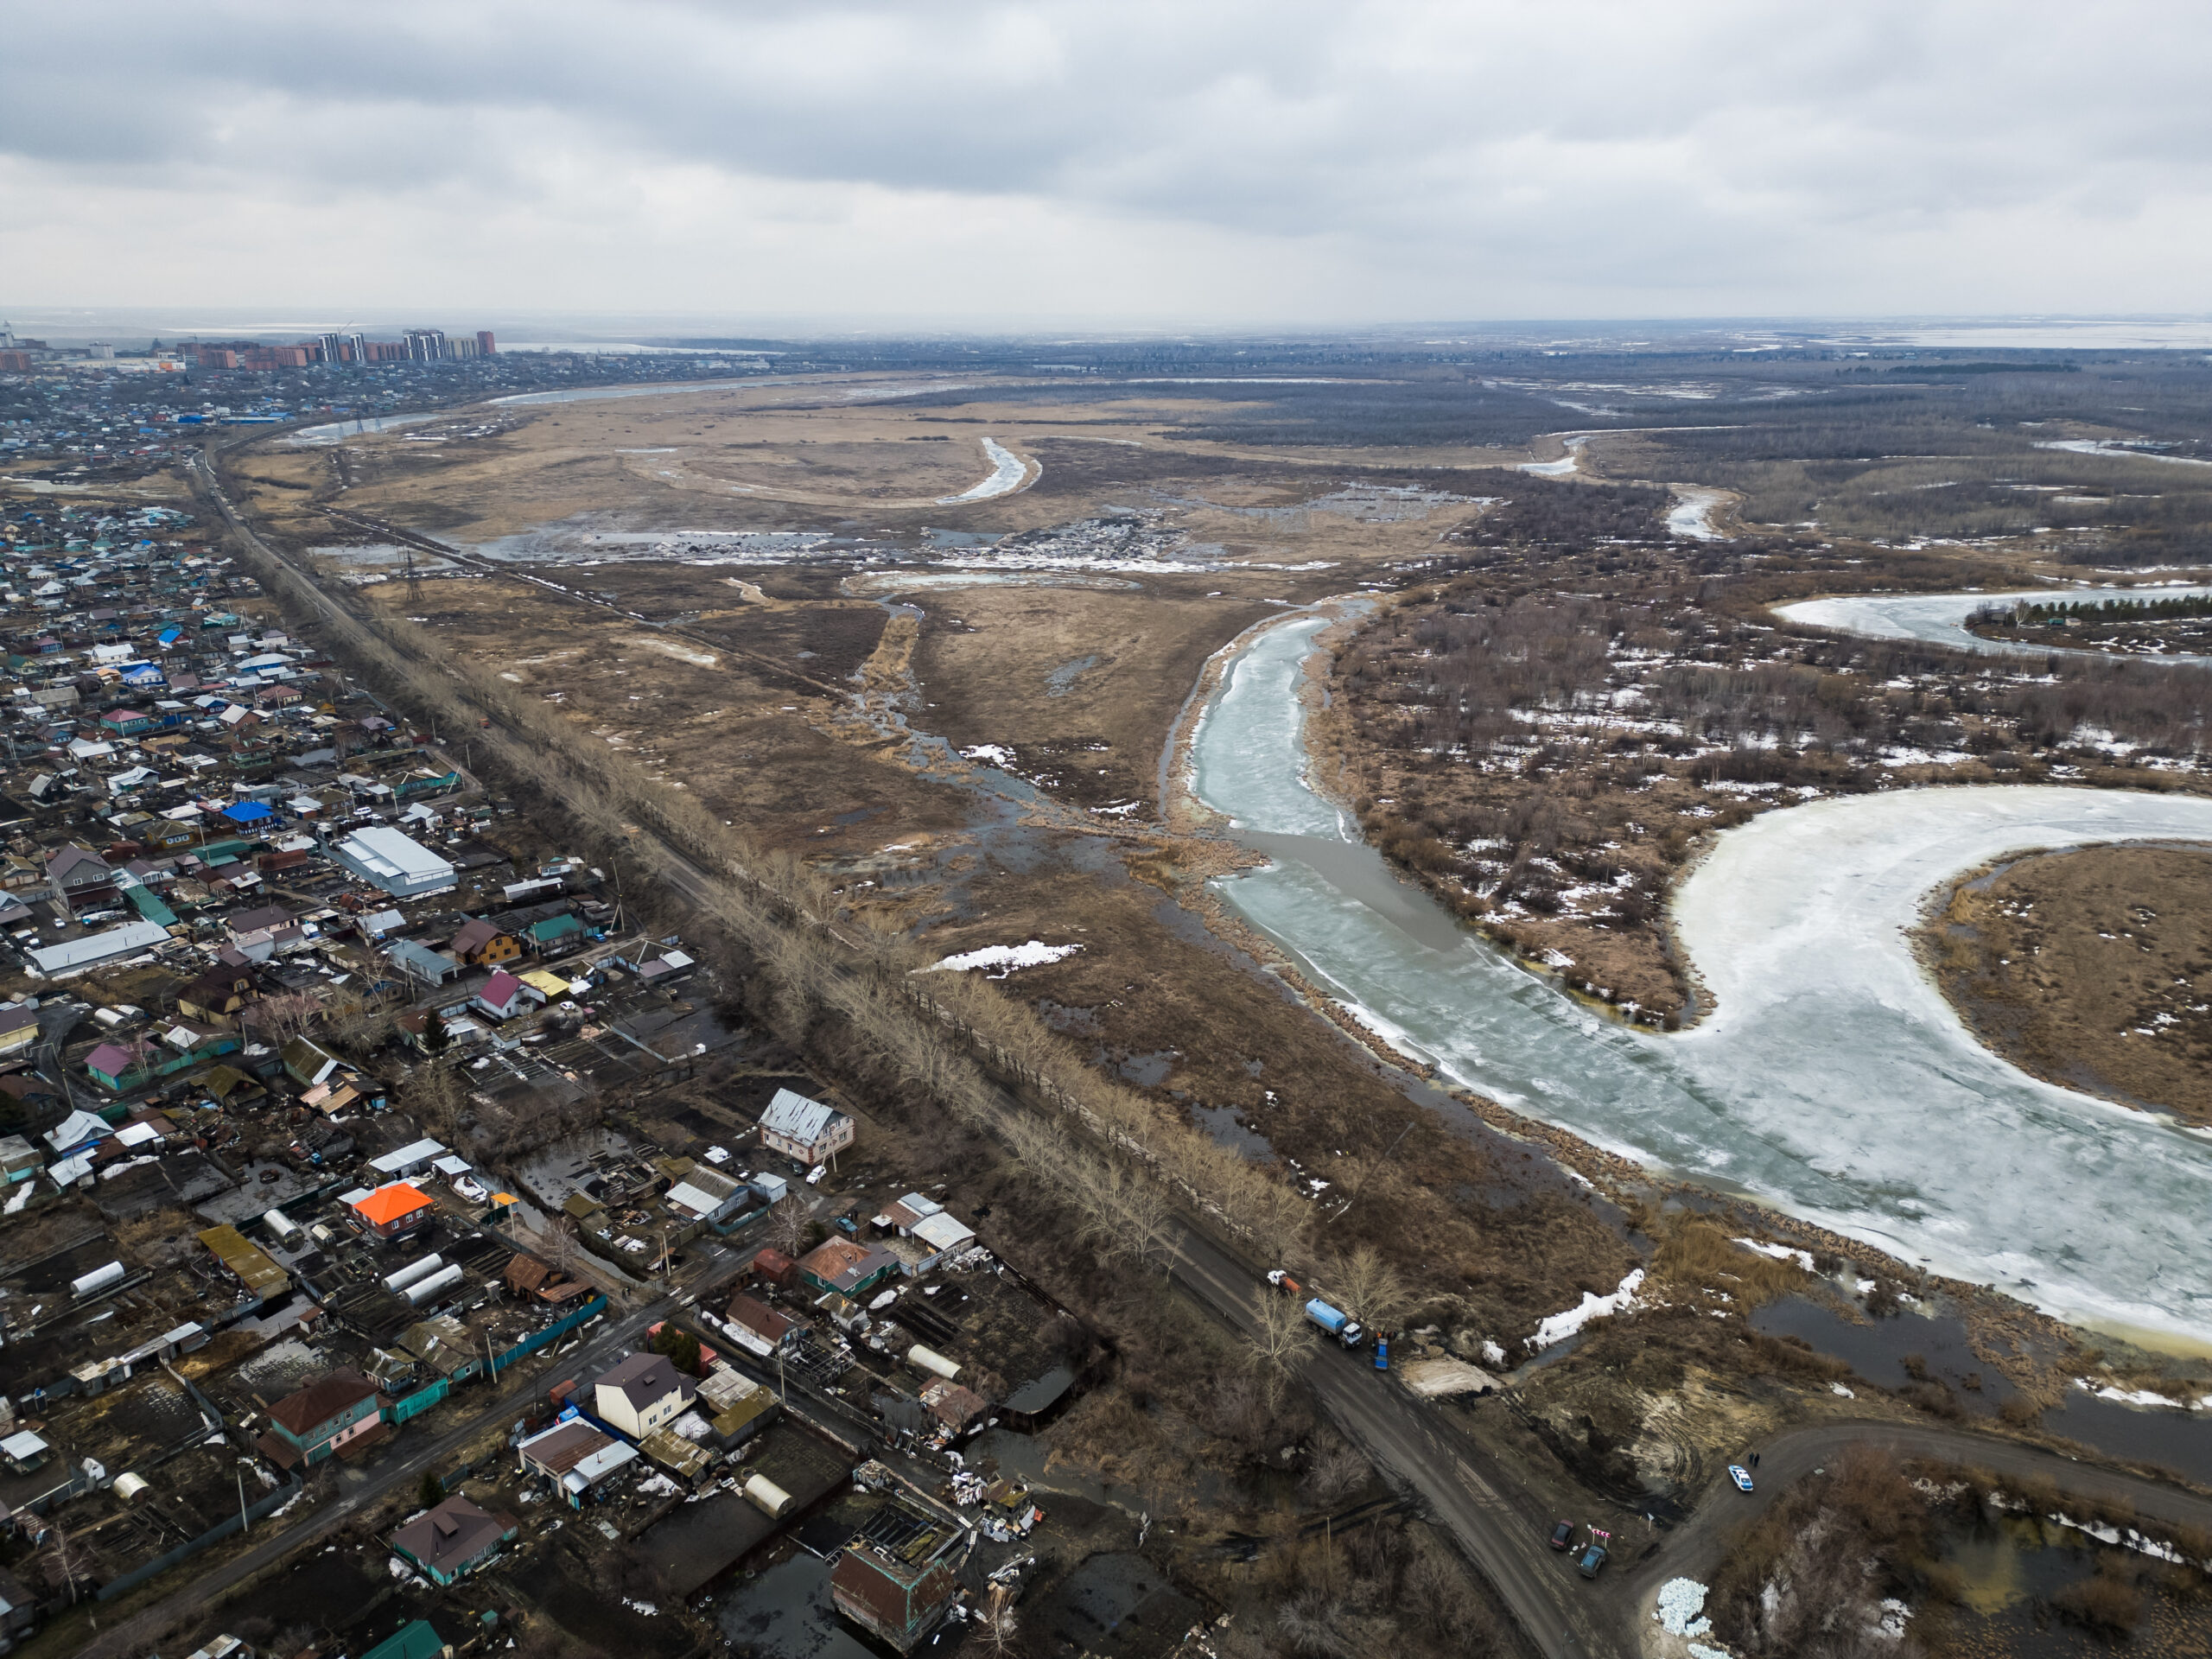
[1230, 164]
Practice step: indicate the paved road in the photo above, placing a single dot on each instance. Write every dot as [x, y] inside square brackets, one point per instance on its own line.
[1464, 1488]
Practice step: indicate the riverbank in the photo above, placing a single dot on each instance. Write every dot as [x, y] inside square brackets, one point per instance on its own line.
[1916, 1141]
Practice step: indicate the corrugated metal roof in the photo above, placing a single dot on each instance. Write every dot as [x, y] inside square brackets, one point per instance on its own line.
[793, 1115]
[260, 1275]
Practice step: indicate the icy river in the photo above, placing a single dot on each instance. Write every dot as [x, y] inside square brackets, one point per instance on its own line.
[1831, 1079]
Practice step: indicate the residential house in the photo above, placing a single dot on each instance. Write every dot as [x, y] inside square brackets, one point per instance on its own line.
[18, 1028]
[707, 1195]
[81, 878]
[420, 962]
[554, 934]
[453, 1540]
[332, 1412]
[391, 1210]
[575, 1456]
[804, 1129]
[751, 1318]
[935, 1235]
[481, 944]
[217, 995]
[504, 996]
[643, 1392]
[416, 1639]
[307, 1063]
[851, 1270]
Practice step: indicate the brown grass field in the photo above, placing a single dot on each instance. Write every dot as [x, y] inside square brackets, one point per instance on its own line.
[2093, 969]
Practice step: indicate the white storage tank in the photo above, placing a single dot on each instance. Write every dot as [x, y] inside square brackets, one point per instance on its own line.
[767, 1497]
[97, 1279]
[436, 1285]
[928, 1359]
[415, 1272]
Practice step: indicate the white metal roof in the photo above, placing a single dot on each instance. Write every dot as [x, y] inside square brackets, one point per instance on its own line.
[388, 852]
[600, 1464]
[794, 1116]
[98, 947]
[415, 1152]
[941, 1232]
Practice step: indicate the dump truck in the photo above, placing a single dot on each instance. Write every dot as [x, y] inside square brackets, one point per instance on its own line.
[1341, 1325]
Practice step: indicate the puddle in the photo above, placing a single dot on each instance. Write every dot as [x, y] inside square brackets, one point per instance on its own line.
[1147, 1070]
[786, 1613]
[1061, 681]
[1220, 1122]
[1878, 1349]
[2178, 1440]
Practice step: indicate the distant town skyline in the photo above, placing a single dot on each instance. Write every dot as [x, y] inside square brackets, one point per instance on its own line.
[1237, 163]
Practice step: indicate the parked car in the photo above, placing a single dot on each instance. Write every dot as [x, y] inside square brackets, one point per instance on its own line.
[1592, 1561]
[1741, 1476]
[1563, 1536]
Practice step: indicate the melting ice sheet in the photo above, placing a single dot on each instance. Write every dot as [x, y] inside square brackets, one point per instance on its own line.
[1830, 1080]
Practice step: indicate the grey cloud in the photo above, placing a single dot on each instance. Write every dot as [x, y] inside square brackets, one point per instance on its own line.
[1677, 147]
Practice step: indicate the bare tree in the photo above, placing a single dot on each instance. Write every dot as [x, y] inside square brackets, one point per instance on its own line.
[787, 1225]
[62, 1561]
[286, 1015]
[1281, 1340]
[1371, 1288]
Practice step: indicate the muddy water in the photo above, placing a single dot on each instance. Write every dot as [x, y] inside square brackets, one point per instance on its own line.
[1833, 1081]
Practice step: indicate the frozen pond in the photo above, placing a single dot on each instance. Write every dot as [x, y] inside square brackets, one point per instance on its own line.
[1832, 1080]
[1940, 619]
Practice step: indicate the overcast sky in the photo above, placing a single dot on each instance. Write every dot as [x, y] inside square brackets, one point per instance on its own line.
[1201, 162]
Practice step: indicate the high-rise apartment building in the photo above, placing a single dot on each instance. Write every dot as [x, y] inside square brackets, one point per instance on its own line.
[425, 345]
[486, 346]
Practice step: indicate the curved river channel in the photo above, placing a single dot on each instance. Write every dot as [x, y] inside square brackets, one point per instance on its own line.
[1831, 1079]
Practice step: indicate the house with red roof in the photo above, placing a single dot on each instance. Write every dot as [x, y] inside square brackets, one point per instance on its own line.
[504, 996]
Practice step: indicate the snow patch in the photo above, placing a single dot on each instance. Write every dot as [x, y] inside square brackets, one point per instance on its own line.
[1780, 1253]
[1560, 1326]
[1681, 1608]
[1006, 958]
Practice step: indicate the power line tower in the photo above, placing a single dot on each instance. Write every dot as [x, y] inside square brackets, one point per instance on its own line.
[414, 584]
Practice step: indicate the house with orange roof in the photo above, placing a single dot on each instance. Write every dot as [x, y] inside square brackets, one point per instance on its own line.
[396, 1207]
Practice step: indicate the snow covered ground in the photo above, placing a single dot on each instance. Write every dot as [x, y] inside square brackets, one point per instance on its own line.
[1691, 517]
